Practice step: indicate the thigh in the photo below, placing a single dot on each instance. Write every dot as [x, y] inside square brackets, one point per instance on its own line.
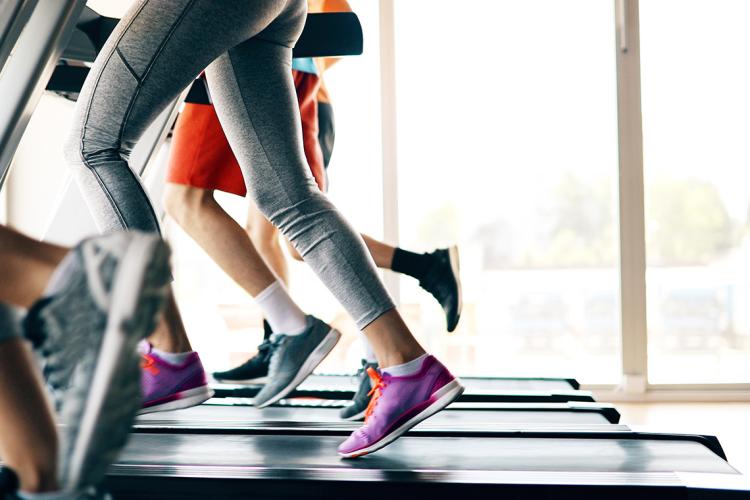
[255, 99]
[157, 49]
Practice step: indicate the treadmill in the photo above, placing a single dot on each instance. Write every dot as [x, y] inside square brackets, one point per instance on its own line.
[495, 464]
[297, 462]
[478, 390]
[235, 417]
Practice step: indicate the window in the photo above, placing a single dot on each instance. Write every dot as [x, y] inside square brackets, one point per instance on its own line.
[696, 123]
[508, 146]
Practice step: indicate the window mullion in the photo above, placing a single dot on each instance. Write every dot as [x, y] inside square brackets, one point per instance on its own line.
[631, 191]
[389, 134]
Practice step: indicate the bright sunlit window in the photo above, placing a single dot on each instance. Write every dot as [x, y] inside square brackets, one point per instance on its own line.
[508, 147]
[696, 123]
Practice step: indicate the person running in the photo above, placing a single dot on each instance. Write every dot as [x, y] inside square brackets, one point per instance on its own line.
[201, 161]
[87, 309]
[157, 50]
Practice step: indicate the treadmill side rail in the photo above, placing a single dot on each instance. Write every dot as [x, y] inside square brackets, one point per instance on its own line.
[25, 75]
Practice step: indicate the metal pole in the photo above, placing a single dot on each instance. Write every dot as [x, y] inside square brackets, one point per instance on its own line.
[26, 73]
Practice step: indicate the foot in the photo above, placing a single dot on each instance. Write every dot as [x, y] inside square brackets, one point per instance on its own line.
[444, 283]
[102, 301]
[400, 403]
[167, 386]
[9, 490]
[8, 482]
[356, 410]
[251, 372]
[293, 359]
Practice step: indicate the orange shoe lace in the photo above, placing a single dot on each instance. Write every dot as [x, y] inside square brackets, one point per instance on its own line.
[147, 364]
[378, 384]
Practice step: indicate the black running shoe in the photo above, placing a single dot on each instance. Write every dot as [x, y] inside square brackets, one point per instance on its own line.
[254, 371]
[8, 483]
[443, 282]
[356, 410]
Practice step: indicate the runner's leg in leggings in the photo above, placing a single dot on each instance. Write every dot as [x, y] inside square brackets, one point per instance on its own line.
[155, 52]
[254, 95]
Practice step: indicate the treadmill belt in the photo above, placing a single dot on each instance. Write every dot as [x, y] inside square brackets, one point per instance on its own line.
[308, 466]
[471, 395]
[229, 418]
[308, 452]
[349, 383]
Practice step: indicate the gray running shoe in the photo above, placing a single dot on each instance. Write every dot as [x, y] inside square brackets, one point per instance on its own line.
[105, 297]
[294, 357]
[356, 410]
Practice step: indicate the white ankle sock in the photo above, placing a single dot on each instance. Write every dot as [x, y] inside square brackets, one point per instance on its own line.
[281, 312]
[175, 358]
[406, 369]
[367, 347]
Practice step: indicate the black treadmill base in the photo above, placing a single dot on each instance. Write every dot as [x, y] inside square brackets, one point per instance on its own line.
[124, 487]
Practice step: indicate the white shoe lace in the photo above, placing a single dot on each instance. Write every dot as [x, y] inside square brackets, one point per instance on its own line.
[94, 252]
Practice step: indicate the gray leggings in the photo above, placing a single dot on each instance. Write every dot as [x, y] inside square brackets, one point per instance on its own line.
[155, 52]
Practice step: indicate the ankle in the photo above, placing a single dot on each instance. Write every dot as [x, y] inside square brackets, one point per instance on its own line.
[36, 478]
[399, 358]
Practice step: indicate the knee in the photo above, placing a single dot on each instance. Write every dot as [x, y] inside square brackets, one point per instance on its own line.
[78, 148]
[301, 205]
[293, 252]
[185, 203]
[264, 237]
[72, 146]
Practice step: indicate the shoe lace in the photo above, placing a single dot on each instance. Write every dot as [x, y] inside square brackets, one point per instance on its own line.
[265, 349]
[148, 363]
[378, 385]
[95, 252]
[274, 342]
[356, 377]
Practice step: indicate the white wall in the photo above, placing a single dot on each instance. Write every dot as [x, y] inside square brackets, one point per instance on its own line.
[38, 172]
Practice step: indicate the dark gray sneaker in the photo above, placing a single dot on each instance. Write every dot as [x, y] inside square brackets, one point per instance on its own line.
[104, 299]
[356, 410]
[294, 357]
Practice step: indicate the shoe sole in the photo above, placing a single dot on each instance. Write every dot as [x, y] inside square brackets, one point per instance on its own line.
[119, 341]
[448, 394]
[455, 268]
[249, 381]
[185, 399]
[312, 361]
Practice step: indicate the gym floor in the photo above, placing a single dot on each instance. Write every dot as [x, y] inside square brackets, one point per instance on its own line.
[727, 421]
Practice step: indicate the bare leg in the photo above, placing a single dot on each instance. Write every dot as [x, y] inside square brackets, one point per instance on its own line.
[28, 438]
[196, 211]
[26, 266]
[170, 335]
[391, 340]
[265, 237]
[381, 253]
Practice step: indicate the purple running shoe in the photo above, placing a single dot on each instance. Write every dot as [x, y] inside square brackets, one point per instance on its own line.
[400, 403]
[172, 387]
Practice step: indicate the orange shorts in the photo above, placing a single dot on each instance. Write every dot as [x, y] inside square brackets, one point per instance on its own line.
[201, 156]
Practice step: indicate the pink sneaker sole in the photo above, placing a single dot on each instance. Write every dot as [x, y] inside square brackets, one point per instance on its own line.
[439, 400]
[179, 400]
